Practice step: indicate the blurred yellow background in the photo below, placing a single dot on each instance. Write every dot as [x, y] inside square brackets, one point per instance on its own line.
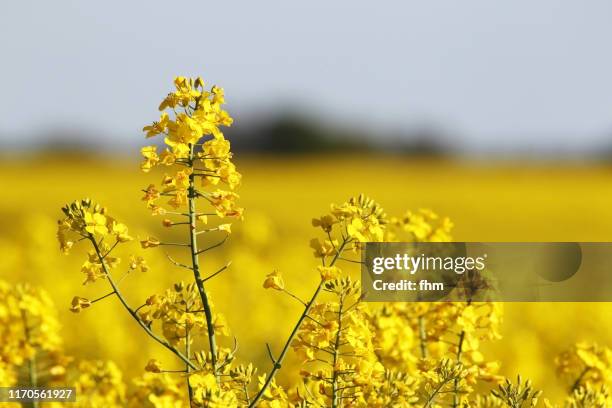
[506, 201]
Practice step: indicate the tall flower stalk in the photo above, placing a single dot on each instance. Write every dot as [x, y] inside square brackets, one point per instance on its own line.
[358, 220]
[198, 158]
[196, 144]
[195, 261]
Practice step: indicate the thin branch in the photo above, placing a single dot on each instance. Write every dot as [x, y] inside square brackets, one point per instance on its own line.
[174, 212]
[218, 272]
[293, 333]
[352, 261]
[207, 175]
[315, 320]
[174, 244]
[212, 246]
[208, 230]
[110, 250]
[125, 274]
[331, 241]
[247, 399]
[102, 297]
[576, 383]
[178, 263]
[435, 392]
[270, 354]
[294, 297]
[133, 313]
[351, 307]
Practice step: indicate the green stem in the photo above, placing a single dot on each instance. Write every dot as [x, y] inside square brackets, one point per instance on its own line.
[576, 384]
[132, 312]
[459, 353]
[187, 367]
[279, 360]
[246, 393]
[33, 377]
[422, 337]
[433, 395]
[456, 382]
[195, 262]
[335, 391]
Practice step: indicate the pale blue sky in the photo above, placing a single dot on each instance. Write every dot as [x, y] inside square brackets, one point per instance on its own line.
[497, 73]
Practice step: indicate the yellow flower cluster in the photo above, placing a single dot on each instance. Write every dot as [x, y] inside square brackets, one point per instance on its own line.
[99, 384]
[29, 336]
[30, 345]
[359, 219]
[86, 220]
[157, 391]
[393, 389]
[233, 391]
[31, 351]
[196, 146]
[180, 312]
[208, 394]
[516, 395]
[423, 225]
[337, 335]
[587, 396]
[28, 323]
[585, 363]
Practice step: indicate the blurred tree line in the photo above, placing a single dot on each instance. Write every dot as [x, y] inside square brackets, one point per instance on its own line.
[292, 134]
